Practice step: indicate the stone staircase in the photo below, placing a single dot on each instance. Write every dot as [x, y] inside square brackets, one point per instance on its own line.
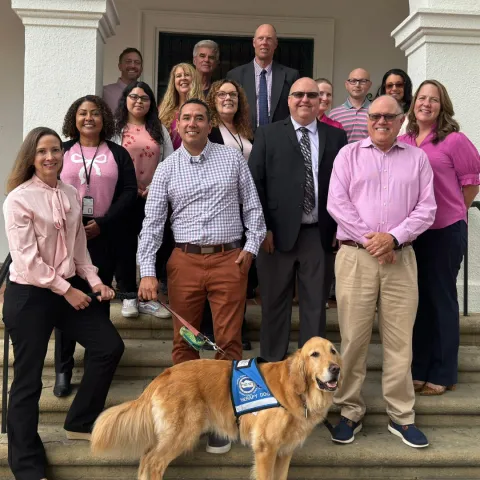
[451, 422]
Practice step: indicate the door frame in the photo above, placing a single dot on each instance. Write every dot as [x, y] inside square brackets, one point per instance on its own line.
[152, 22]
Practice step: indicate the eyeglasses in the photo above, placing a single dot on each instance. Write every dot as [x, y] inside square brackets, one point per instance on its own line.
[360, 81]
[223, 95]
[135, 97]
[389, 117]
[300, 95]
[396, 85]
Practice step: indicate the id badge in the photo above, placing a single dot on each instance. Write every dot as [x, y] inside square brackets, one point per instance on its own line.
[87, 206]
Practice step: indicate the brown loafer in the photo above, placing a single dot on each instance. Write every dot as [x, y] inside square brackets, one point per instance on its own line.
[429, 391]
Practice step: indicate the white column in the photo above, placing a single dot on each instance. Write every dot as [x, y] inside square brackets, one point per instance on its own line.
[64, 42]
[441, 39]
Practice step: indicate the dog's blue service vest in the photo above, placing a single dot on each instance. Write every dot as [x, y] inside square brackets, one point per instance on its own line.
[248, 388]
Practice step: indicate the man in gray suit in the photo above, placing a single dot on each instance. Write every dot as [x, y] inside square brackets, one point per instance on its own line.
[266, 83]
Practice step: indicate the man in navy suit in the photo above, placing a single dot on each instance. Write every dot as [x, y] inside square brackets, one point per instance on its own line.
[266, 83]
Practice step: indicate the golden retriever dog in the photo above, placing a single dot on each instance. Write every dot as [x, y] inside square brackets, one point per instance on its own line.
[193, 398]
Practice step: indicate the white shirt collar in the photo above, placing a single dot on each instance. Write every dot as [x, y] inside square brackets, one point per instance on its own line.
[311, 127]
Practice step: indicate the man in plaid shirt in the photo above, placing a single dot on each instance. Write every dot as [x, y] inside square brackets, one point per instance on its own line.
[205, 183]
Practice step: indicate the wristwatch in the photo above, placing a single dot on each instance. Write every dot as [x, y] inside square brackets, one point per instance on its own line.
[395, 241]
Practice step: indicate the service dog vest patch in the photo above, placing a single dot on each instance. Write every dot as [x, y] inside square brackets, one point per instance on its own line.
[249, 391]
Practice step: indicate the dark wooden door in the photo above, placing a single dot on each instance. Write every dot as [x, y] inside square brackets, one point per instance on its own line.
[234, 51]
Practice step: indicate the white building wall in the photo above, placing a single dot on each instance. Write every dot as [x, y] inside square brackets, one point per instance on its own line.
[12, 46]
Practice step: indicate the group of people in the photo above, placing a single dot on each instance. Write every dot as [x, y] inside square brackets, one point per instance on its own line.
[250, 169]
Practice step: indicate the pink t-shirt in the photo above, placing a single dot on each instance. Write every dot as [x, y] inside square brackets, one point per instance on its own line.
[455, 163]
[144, 150]
[103, 177]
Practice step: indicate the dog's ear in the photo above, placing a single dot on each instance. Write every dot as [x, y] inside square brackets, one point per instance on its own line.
[298, 373]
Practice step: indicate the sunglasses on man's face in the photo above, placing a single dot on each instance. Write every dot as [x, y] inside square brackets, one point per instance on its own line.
[389, 117]
[300, 95]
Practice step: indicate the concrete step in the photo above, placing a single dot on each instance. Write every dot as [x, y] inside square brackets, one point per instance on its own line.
[375, 454]
[148, 358]
[455, 409]
[147, 326]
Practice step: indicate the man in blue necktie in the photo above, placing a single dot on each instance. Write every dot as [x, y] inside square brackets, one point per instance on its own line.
[266, 82]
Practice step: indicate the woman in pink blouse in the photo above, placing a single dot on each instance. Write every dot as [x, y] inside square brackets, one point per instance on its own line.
[326, 92]
[51, 271]
[139, 130]
[456, 166]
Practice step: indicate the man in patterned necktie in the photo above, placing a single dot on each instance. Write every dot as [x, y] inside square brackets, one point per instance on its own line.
[266, 83]
[205, 183]
[291, 163]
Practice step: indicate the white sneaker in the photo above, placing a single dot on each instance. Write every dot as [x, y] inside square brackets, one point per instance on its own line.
[153, 308]
[327, 306]
[130, 308]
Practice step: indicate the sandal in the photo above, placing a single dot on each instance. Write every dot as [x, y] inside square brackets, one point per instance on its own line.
[418, 387]
[428, 391]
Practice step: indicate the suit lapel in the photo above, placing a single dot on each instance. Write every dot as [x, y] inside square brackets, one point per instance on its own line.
[278, 79]
[322, 138]
[292, 135]
[251, 92]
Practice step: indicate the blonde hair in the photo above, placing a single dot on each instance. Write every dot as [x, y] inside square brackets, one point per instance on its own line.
[171, 100]
[24, 168]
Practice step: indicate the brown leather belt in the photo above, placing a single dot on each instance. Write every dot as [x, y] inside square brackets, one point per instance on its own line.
[351, 243]
[208, 249]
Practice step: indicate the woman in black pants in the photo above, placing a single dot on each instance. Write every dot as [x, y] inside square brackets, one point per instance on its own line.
[104, 176]
[50, 274]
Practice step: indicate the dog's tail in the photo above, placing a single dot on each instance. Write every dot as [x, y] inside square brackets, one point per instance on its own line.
[126, 429]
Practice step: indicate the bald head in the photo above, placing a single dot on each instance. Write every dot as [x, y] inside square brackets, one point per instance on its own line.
[265, 43]
[386, 101]
[358, 84]
[387, 120]
[304, 110]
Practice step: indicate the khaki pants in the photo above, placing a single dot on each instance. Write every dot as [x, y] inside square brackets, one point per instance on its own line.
[361, 283]
[192, 278]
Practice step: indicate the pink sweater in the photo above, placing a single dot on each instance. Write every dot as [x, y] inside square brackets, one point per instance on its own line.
[46, 237]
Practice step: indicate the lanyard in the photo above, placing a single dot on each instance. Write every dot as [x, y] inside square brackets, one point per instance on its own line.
[89, 172]
[240, 144]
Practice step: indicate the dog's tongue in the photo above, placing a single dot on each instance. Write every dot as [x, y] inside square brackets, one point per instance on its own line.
[332, 384]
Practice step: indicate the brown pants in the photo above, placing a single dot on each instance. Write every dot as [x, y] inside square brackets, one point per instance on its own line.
[192, 278]
[362, 283]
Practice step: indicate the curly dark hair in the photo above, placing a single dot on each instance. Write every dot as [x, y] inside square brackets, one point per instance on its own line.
[69, 128]
[407, 87]
[241, 119]
[152, 123]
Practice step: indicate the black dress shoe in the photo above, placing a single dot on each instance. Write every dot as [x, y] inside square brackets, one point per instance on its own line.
[246, 345]
[63, 387]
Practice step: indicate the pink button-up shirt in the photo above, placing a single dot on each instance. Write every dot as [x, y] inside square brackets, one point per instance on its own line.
[112, 94]
[456, 163]
[375, 191]
[46, 237]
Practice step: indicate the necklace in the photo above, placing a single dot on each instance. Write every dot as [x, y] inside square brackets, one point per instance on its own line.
[239, 141]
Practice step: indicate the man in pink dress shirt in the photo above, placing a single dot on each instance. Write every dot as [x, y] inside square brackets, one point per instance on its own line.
[130, 64]
[381, 196]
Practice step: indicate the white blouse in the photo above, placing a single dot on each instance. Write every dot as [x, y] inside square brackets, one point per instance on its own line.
[236, 141]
